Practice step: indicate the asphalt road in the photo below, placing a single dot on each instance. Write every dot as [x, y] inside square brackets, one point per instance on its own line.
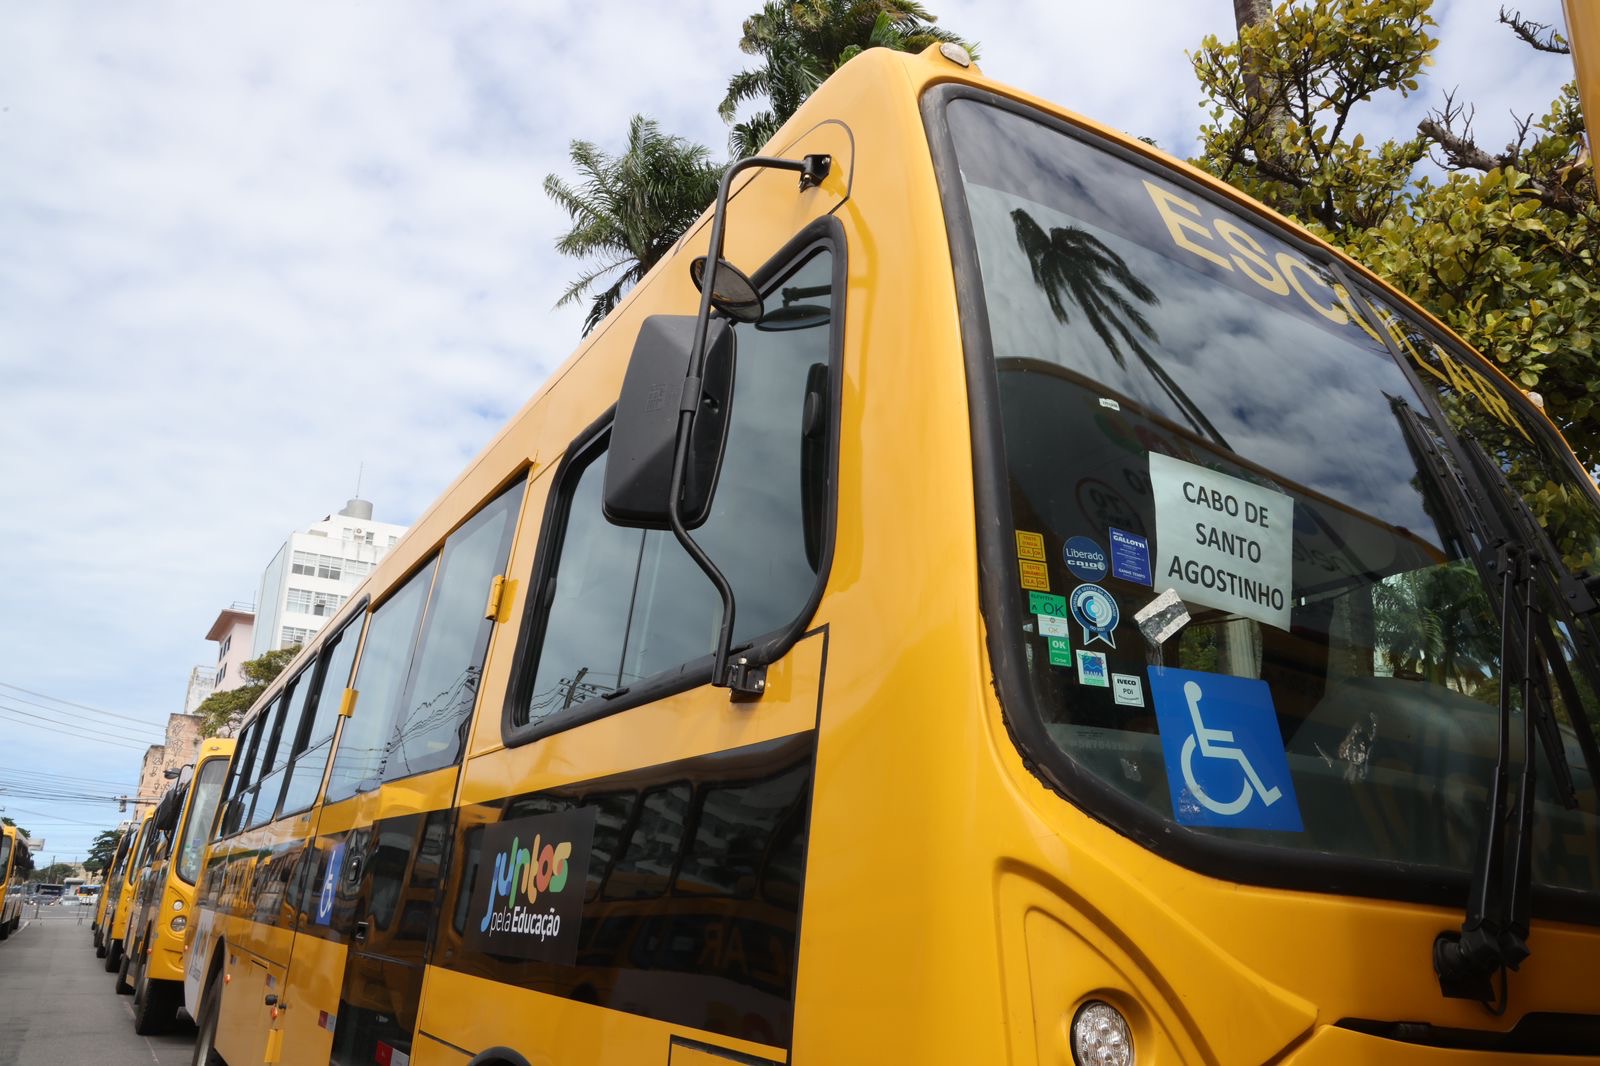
[57, 1006]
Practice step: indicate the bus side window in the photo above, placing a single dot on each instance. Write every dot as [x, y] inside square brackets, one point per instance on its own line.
[622, 607]
[273, 773]
[310, 756]
[239, 777]
[418, 675]
[430, 732]
[271, 720]
[380, 677]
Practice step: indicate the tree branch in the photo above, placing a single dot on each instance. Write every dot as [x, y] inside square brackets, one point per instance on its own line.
[1536, 34]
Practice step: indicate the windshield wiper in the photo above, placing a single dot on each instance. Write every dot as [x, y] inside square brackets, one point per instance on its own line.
[1494, 932]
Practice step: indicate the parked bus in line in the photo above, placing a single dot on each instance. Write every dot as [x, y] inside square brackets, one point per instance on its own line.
[1054, 610]
[120, 888]
[10, 895]
[125, 834]
[158, 925]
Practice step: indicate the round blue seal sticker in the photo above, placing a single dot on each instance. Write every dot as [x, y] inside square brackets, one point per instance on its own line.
[1085, 558]
[1096, 612]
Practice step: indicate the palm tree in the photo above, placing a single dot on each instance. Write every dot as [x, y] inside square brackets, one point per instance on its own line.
[801, 42]
[628, 210]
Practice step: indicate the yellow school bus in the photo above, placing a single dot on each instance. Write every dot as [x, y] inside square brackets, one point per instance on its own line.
[10, 898]
[991, 594]
[158, 925]
[120, 888]
[119, 852]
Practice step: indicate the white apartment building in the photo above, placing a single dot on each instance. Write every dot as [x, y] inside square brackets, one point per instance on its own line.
[315, 571]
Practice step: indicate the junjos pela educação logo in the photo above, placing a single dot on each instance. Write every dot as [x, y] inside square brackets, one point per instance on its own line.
[527, 901]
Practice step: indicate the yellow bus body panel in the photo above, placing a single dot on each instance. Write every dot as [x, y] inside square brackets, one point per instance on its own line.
[955, 909]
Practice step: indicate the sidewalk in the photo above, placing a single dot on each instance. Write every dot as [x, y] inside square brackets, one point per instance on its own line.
[57, 1005]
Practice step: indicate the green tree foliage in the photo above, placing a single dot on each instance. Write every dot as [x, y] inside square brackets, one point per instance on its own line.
[800, 42]
[102, 850]
[628, 210]
[22, 860]
[53, 874]
[220, 709]
[1505, 248]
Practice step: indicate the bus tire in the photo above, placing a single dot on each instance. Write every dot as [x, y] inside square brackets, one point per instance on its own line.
[123, 987]
[113, 956]
[205, 1050]
[5, 930]
[155, 1003]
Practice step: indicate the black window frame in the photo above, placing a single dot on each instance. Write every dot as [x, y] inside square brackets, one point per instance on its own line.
[822, 234]
[1231, 860]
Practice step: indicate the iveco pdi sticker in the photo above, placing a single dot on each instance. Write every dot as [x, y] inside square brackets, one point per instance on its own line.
[527, 899]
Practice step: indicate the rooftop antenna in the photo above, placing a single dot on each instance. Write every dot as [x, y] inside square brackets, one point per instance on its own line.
[361, 468]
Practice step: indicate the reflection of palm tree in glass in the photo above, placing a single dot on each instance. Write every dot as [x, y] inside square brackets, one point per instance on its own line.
[1071, 264]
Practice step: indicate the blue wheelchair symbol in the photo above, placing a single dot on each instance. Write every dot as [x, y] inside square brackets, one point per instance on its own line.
[1225, 760]
[330, 885]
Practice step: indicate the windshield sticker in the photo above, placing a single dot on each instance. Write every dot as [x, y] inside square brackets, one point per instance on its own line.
[1034, 575]
[1051, 626]
[1127, 689]
[1092, 669]
[1223, 542]
[1030, 546]
[1109, 404]
[1060, 651]
[1226, 765]
[1044, 603]
[1096, 612]
[1085, 559]
[527, 901]
[1162, 618]
[1130, 557]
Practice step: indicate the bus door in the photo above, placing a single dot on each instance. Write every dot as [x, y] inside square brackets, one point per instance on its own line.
[630, 860]
[373, 882]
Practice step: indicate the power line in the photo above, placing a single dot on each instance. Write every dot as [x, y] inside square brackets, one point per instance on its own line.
[79, 706]
[19, 771]
[79, 723]
[125, 742]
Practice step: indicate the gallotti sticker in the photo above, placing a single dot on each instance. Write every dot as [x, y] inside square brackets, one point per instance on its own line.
[527, 901]
[1223, 542]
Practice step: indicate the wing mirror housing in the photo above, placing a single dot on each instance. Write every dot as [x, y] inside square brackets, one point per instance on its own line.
[658, 387]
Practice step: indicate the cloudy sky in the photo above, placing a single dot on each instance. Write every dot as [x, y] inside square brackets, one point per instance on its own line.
[250, 248]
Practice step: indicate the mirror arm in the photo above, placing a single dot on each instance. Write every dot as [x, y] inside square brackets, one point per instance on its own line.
[747, 681]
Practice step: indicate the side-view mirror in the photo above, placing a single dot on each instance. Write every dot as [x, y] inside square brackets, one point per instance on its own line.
[644, 433]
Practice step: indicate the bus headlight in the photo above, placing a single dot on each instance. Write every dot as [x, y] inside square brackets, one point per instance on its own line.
[1100, 1036]
[177, 904]
[179, 924]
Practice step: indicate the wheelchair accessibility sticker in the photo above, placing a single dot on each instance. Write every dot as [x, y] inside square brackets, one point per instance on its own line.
[1225, 761]
[330, 886]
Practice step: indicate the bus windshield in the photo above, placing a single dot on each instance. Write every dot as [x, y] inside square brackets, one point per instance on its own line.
[202, 813]
[1246, 608]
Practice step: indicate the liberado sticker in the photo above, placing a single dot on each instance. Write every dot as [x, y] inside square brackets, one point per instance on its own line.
[527, 900]
[1085, 559]
[1223, 542]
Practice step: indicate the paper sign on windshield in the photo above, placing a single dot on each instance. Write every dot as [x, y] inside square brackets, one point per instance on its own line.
[1223, 542]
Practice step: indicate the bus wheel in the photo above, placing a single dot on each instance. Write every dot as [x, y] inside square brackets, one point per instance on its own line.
[5, 930]
[113, 956]
[123, 987]
[205, 1050]
[155, 1007]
